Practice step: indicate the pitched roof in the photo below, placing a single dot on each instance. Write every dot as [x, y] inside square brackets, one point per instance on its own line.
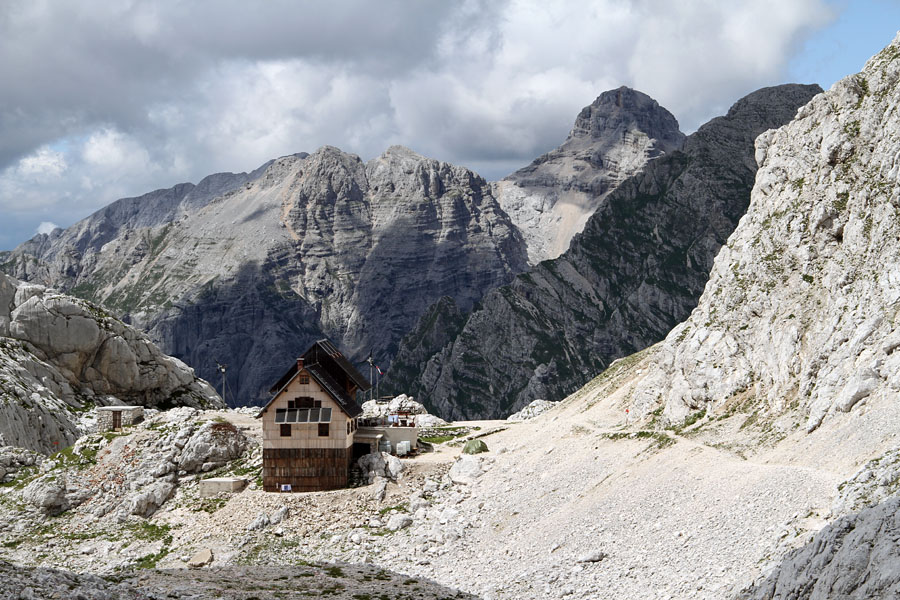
[334, 389]
[331, 350]
[314, 358]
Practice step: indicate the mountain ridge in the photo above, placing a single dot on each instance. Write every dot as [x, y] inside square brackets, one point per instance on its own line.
[636, 270]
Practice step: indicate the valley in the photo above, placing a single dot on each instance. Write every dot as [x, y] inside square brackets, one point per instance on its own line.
[719, 343]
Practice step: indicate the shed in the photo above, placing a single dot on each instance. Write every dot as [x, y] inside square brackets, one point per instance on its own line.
[309, 424]
[113, 418]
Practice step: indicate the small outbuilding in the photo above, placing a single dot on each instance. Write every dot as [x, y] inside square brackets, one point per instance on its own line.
[310, 422]
[113, 418]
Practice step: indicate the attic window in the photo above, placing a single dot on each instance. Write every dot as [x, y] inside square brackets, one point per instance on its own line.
[304, 402]
[304, 378]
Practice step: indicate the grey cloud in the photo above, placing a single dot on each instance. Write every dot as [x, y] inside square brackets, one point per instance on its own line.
[184, 89]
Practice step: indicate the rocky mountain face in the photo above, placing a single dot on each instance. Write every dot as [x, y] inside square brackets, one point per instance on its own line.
[551, 199]
[855, 557]
[800, 313]
[64, 255]
[636, 270]
[320, 244]
[60, 356]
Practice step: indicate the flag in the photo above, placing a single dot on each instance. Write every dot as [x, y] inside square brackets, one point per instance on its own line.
[379, 370]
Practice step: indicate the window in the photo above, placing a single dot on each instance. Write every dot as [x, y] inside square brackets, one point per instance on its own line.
[302, 415]
[285, 430]
[323, 429]
[304, 402]
[304, 378]
[348, 427]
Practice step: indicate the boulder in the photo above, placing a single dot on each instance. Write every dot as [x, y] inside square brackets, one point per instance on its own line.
[212, 445]
[260, 522]
[280, 515]
[151, 497]
[399, 521]
[426, 421]
[201, 559]
[379, 488]
[466, 470]
[381, 464]
[47, 493]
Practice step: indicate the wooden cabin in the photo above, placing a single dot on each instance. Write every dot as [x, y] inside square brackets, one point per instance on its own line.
[309, 424]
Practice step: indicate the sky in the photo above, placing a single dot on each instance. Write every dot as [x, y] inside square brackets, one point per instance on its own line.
[103, 100]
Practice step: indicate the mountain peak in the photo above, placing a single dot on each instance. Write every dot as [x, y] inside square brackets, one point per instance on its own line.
[551, 199]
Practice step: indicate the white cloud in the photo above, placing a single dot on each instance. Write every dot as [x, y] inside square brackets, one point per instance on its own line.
[43, 163]
[146, 99]
[46, 227]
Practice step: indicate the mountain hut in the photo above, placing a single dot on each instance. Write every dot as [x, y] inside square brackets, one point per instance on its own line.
[310, 422]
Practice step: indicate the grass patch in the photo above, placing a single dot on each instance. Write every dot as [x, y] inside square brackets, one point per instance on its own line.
[660, 440]
[399, 508]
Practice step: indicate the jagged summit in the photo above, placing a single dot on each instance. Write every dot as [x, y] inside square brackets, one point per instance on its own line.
[551, 199]
[625, 107]
[312, 245]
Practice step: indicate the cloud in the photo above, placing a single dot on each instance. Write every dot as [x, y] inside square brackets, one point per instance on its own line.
[103, 101]
[46, 227]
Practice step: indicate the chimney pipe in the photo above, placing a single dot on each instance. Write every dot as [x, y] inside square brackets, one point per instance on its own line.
[300, 364]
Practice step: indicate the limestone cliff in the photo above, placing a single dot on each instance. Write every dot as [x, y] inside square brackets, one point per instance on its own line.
[800, 313]
[638, 268]
[59, 356]
[551, 199]
[320, 244]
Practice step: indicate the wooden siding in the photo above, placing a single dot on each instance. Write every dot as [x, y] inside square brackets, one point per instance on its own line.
[306, 435]
[305, 469]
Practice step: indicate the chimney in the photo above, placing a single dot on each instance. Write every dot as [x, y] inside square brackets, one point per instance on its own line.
[300, 364]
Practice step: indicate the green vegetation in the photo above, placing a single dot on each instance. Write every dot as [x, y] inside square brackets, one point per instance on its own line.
[439, 435]
[852, 128]
[660, 440]
[334, 571]
[840, 203]
[688, 421]
[404, 507]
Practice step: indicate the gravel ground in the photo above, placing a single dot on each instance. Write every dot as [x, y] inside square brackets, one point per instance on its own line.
[575, 503]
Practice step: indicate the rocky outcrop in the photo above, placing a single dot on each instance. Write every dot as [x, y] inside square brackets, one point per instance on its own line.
[636, 270]
[401, 403]
[319, 244]
[61, 355]
[532, 410]
[133, 474]
[854, 557]
[551, 199]
[800, 310]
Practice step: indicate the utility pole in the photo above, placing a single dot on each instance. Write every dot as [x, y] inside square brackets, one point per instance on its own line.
[371, 362]
[221, 368]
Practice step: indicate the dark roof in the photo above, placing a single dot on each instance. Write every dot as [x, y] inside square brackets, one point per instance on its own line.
[334, 389]
[325, 345]
[313, 360]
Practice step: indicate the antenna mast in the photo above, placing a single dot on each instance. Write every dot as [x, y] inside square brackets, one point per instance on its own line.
[371, 362]
[222, 368]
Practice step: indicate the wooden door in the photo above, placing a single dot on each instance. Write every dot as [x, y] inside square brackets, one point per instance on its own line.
[117, 420]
